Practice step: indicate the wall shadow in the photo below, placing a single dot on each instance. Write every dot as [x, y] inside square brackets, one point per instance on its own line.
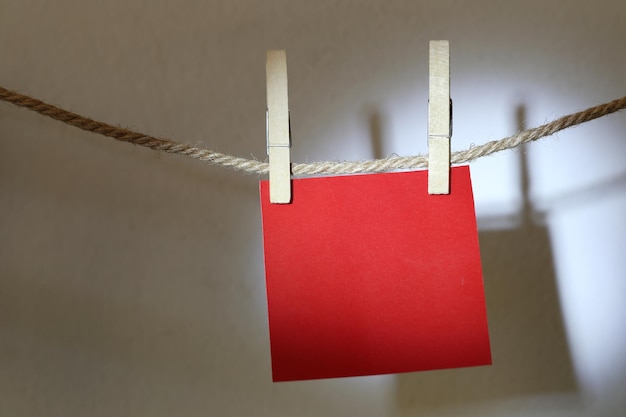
[528, 340]
[376, 122]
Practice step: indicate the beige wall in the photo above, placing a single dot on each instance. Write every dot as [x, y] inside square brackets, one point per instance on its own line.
[131, 282]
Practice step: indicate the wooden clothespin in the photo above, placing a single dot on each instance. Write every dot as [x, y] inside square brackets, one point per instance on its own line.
[439, 118]
[278, 135]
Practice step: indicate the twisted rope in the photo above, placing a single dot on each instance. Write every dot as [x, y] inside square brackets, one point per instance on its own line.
[257, 167]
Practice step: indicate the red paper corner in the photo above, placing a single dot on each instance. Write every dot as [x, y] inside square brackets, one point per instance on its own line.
[369, 274]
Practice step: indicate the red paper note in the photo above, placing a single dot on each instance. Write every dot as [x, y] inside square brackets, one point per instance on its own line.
[368, 274]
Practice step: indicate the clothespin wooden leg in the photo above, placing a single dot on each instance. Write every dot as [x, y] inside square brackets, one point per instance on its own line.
[439, 118]
[278, 140]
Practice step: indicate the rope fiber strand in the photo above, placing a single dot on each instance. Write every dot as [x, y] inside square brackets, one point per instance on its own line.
[317, 168]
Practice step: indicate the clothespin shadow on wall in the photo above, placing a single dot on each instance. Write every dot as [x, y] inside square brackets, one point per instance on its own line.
[529, 346]
[376, 123]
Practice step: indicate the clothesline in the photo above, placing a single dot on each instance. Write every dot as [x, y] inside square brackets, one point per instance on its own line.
[299, 169]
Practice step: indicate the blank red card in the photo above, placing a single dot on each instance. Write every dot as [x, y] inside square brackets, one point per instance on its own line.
[369, 274]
